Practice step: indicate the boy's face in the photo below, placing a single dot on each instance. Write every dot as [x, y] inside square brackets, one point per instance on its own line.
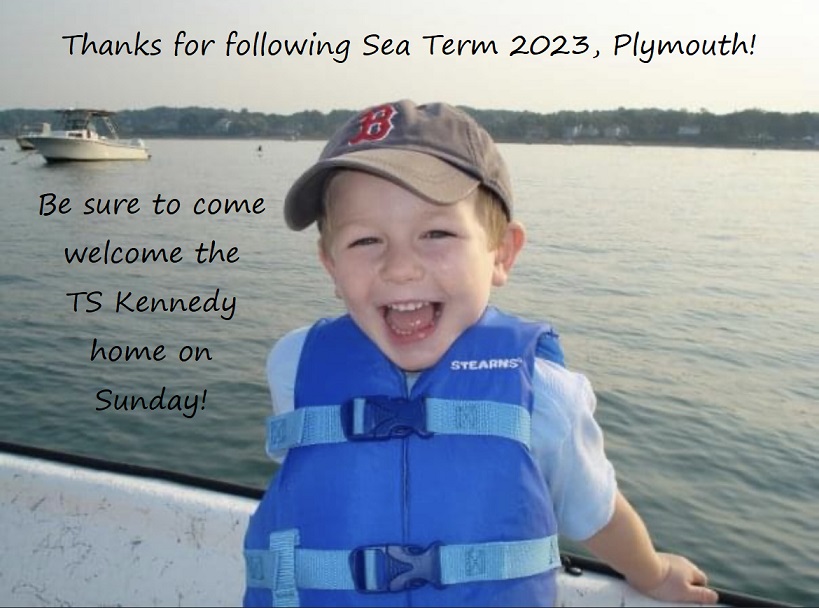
[413, 275]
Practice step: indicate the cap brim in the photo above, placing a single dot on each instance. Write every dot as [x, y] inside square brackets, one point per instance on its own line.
[423, 174]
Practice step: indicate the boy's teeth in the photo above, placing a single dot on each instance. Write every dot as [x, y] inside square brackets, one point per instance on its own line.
[407, 318]
[407, 306]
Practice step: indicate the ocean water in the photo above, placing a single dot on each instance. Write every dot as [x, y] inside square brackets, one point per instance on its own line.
[684, 284]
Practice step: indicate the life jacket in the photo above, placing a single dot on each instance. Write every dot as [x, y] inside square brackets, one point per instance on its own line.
[398, 497]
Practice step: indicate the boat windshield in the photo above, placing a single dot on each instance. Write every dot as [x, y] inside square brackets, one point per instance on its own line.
[76, 122]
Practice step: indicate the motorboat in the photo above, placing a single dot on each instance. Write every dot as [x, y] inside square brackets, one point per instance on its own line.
[78, 139]
[90, 532]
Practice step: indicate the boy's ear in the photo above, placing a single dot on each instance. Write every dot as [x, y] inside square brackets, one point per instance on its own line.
[329, 266]
[326, 260]
[510, 245]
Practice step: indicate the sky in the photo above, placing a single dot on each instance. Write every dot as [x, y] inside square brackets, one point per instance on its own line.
[763, 55]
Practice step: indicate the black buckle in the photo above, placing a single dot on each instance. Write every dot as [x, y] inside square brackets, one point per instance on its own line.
[380, 417]
[383, 568]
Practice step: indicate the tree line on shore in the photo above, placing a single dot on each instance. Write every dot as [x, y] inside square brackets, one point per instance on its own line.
[750, 128]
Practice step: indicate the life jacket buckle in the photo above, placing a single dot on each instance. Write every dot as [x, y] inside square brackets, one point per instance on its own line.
[390, 568]
[379, 417]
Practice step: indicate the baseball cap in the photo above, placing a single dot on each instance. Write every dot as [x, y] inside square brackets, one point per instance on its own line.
[434, 150]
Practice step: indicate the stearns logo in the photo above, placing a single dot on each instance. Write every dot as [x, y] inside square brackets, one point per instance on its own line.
[482, 364]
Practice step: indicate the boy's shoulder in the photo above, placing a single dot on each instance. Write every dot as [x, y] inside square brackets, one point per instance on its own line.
[288, 347]
[292, 336]
[283, 358]
[565, 394]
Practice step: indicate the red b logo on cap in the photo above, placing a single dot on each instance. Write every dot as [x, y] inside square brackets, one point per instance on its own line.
[374, 125]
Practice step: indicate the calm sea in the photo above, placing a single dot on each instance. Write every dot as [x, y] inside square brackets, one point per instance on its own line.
[684, 283]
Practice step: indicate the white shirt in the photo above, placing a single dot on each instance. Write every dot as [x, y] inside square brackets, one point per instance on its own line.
[567, 442]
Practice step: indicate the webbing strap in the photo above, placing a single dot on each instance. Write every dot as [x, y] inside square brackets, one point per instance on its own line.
[275, 569]
[324, 423]
[498, 560]
[331, 569]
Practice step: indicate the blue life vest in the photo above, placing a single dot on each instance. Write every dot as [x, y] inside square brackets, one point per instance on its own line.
[398, 497]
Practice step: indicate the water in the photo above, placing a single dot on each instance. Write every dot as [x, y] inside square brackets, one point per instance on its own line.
[684, 283]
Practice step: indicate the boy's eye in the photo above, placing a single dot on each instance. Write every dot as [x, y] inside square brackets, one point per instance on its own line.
[438, 234]
[367, 240]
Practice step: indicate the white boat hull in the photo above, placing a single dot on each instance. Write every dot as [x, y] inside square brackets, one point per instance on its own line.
[57, 149]
[74, 535]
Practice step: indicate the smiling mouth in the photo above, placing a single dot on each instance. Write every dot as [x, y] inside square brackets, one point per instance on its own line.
[412, 319]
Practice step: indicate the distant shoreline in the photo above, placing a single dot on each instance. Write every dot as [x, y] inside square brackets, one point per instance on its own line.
[747, 129]
[553, 142]
[256, 139]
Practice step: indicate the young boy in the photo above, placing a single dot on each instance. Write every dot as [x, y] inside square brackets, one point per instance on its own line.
[435, 445]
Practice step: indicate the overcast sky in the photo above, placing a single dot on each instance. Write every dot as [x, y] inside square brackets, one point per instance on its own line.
[778, 69]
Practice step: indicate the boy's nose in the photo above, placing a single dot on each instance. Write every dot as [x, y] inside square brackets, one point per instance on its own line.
[400, 266]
